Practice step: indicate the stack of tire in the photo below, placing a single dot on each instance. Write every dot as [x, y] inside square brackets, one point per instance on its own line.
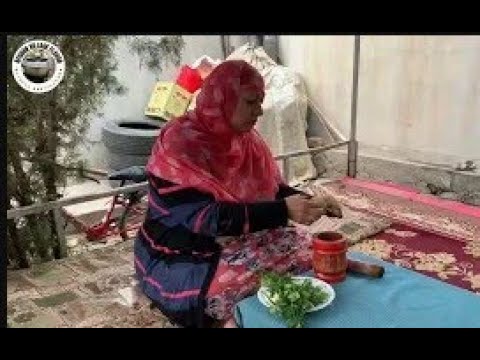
[129, 142]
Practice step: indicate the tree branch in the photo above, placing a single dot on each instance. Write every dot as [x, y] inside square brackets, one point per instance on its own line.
[81, 171]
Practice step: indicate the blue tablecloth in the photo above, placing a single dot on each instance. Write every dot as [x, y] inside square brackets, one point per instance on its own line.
[402, 298]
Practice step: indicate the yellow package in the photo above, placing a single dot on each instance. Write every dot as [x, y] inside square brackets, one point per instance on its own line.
[168, 100]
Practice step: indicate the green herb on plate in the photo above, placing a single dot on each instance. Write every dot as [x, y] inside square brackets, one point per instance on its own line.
[291, 299]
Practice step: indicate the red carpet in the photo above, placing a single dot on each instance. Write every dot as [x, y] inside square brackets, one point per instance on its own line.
[445, 258]
[442, 217]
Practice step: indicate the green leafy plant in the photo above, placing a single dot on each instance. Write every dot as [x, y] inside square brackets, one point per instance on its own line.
[291, 299]
[44, 130]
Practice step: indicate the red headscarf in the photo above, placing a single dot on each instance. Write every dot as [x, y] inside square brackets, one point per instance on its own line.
[201, 150]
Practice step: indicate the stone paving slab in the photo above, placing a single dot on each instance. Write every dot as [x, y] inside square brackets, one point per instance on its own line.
[94, 289]
[23, 313]
[50, 274]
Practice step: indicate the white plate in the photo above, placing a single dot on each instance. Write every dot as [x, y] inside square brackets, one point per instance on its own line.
[262, 293]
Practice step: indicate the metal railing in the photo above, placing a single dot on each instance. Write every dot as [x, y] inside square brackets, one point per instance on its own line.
[57, 205]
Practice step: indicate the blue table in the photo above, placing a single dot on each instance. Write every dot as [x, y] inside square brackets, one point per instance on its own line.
[402, 298]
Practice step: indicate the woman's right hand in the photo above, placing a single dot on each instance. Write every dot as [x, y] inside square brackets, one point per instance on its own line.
[302, 210]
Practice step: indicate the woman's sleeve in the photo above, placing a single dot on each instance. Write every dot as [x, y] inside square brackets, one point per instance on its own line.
[200, 213]
[285, 190]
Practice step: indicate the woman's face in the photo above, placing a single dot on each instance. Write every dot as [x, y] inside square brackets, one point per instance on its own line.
[247, 111]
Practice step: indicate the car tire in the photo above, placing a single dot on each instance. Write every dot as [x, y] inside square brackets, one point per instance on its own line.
[129, 142]
[131, 137]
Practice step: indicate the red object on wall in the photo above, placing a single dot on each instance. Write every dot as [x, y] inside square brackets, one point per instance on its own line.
[189, 79]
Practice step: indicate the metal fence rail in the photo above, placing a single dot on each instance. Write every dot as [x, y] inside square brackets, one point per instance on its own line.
[57, 204]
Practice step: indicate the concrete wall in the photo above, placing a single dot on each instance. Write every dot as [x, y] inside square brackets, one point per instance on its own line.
[420, 93]
[140, 81]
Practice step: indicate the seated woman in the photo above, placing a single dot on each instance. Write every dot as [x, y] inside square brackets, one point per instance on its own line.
[218, 209]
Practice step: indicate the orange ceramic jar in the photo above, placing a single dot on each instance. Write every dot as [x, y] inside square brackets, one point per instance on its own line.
[330, 256]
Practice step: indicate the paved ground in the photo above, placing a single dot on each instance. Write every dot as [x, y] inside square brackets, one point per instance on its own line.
[95, 289]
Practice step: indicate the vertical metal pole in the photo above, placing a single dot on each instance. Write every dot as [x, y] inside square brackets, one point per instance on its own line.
[62, 239]
[286, 169]
[353, 144]
[223, 42]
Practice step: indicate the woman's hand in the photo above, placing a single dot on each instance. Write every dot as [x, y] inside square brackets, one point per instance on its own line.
[329, 203]
[303, 210]
[306, 210]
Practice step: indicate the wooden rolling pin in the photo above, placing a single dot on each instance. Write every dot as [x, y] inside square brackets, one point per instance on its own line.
[359, 267]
